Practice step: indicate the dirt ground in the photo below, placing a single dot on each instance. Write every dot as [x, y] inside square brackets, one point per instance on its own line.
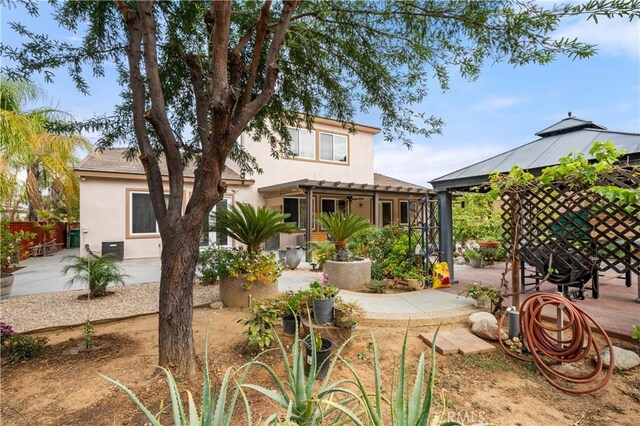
[62, 386]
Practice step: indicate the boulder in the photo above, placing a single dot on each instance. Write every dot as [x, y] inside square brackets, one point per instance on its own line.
[479, 316]
[487, 329]
[623, 358]
[216, 305]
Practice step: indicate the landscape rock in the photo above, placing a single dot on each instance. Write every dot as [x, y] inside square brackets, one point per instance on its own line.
[216, 305]
[624, 359]
[487, 329]
[480, 316]
[459, 261]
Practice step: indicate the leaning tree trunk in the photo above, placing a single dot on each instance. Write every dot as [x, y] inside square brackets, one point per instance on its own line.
[175, 334]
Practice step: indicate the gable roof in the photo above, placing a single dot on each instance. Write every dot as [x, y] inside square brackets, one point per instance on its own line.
[558, 140]
[114, 161]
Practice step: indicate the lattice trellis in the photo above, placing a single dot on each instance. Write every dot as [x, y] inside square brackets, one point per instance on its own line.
[581, 230]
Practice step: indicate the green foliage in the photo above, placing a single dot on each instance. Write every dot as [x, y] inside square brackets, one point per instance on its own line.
[322, 291]
[482, 294]
[376, 286]
[574, 168]
[87, 334]
[260, 327]
[253, 267]
[407, 405]
[472, 253]
[636, 332]
[389, 251]
[321, 251]
[10, 246]
[207, 264]
[252, 226]
[305, 399]
[342, 227]
[474, 218]
[96, 273]
[20, 347]
[218, 403]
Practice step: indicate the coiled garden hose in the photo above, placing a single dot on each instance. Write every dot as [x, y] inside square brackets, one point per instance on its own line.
[542, 341]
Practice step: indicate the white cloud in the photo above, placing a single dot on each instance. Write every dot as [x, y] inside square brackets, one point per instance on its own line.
[429, 160]
[498, 102]
[613, 37]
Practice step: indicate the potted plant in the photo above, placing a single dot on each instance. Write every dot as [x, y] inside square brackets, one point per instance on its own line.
[288, 303]
[95, 272]
[239, 270]
[10, 244]
[323, 298]
[317, 345]
[474, 257]
[346, 274]
[484, 296]
[347, 314]
[414, 278]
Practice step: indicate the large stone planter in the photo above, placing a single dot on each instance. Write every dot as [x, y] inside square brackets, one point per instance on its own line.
[6, 283]
[234, 295]
[348, 275]
[292, 256]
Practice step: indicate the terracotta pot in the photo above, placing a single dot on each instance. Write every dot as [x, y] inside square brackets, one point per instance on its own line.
[234, 295]
[414, 284]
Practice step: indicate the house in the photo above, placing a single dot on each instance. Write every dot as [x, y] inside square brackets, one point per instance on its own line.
[569, 135]
[332, 171]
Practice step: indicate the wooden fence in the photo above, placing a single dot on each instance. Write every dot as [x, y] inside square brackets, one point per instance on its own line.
[59, 234]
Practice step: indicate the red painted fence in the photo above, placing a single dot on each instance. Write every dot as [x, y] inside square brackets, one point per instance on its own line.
[59, 233]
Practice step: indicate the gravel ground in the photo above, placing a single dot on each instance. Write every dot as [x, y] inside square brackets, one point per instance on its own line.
[38, 311]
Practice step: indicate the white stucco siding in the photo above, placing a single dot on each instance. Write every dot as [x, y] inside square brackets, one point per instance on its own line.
[359, 167]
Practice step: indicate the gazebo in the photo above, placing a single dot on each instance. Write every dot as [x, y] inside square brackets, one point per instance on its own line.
[558, 140]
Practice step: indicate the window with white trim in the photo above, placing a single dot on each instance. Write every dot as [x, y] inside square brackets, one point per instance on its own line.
[213, 234]
[303, 143]
[333, 147]
[142, 220]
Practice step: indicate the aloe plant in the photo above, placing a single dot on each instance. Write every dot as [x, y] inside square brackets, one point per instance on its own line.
[216, 408]
[342, 227]
[407, 406]
[306, 401]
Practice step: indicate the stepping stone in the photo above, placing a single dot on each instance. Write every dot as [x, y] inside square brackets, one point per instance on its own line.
[457, 340]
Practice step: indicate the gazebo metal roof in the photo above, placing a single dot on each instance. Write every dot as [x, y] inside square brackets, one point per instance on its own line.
[556, 141]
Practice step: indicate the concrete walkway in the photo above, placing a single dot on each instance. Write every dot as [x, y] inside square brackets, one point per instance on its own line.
[426, 307]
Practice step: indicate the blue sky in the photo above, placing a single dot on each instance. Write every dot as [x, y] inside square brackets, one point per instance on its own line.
[499, 111]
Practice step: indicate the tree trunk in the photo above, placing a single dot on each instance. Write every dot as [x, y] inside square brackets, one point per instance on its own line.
[175, 334]
[342, 253]
[34, 198]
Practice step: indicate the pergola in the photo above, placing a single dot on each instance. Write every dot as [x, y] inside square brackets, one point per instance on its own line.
[558, 140]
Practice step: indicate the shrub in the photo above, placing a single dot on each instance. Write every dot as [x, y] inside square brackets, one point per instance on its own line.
[19, 347]
[260, 327]
[10, 247]
[321, 251]
[95, 272]
[6, 331]
[377, 286]
[254, 267]
[342, 227]
[207, 265]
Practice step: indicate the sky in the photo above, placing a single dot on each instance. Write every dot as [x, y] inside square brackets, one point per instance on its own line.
[501, 110]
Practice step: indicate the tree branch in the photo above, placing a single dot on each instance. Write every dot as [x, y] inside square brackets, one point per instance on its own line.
[271, 73]
[261, 32]
[147, 157]
[157, 115]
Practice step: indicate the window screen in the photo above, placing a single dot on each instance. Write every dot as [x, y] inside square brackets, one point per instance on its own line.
[143, 221]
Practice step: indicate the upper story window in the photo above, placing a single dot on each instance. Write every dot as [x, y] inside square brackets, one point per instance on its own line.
[333, 147]
[303, 143]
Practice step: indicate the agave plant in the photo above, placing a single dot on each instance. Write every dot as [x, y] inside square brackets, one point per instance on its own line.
[252, 226]
[95, 272]
[342, 227]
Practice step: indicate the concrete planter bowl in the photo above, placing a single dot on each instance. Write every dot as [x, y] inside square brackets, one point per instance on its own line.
[291, 256]
[234, 295]
[352, 275]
